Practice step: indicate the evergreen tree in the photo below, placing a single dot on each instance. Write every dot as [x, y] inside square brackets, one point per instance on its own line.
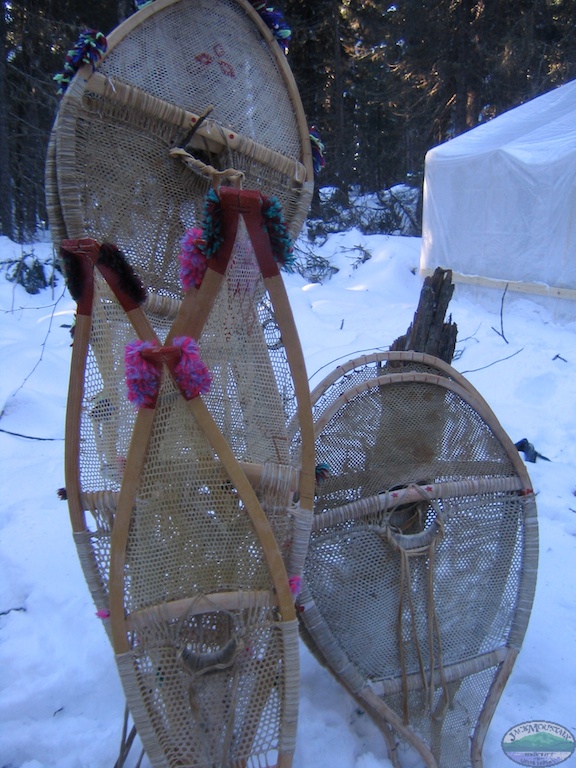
[382, 82]
[6, 217]
[319, 59]
[37, 36]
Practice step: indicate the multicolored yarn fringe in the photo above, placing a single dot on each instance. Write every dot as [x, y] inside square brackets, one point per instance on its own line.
[192, 259]
[89, 49]
[192, 376]
[274, 20]
[212, 235]
[277, 232]
[142, 376]
[322, 472]
[318, 159]
[208, 240]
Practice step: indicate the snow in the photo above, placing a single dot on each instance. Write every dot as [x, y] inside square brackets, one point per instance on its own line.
[61, 702]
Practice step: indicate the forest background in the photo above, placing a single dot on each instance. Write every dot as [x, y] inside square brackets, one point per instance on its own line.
[383, 82]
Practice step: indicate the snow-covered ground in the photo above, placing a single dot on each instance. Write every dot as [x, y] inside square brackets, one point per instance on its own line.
[61, 702]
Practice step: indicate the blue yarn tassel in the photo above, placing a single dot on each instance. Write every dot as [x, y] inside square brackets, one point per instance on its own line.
[274, 20]
[277, 232]
[212, 237]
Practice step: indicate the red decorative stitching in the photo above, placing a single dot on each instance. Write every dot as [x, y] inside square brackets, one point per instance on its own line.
[204, 58]
[226, 68]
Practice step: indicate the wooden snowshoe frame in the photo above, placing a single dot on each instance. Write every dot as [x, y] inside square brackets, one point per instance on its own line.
[137, 144]
[194, 537]
[134, 151]
[421, 570]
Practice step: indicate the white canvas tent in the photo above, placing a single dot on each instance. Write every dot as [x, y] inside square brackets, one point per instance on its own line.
[500, 203]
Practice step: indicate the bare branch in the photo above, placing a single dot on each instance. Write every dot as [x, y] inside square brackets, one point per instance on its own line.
[501, 360]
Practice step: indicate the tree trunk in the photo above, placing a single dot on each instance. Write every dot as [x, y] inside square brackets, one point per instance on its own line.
[429, 332]
[6, 218]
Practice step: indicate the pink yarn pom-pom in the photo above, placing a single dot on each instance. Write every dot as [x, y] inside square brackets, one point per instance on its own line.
[142, 376]
[192, 376]
[295, 583]
[192, 261]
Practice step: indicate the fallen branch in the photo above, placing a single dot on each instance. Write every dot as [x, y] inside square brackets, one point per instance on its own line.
[501, 360]
[29, 437]
[43, 345]
[501, 331]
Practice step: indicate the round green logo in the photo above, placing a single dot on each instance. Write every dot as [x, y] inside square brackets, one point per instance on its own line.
[538, 743]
